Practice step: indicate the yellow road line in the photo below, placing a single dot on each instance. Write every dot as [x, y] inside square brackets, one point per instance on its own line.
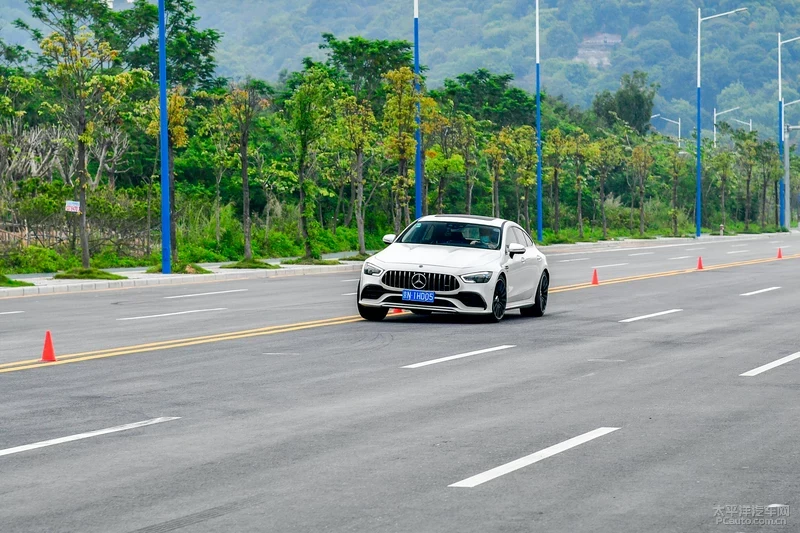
[337, 321]
[75, 358]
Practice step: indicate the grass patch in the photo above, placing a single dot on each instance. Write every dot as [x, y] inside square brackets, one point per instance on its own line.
[252, 263]
[88, 273]
[359, 257]
[6, 282]
[181, 268]
[312, 262]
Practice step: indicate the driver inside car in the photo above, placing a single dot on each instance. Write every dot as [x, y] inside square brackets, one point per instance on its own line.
[487, 238]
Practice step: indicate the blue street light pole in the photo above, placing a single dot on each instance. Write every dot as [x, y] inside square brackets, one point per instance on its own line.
[781, 119]
[418, 168]
[539, 214]
[166, 248]
[699, 192]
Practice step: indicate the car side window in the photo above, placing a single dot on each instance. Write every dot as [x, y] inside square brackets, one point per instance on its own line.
[528, 240]
[519, 237]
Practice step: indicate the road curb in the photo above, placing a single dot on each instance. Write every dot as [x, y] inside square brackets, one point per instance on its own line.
[179, 279]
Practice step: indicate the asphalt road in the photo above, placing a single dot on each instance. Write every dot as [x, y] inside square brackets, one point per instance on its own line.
[606, 418]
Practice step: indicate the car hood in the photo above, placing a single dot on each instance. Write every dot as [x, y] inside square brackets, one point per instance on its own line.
[439, 256]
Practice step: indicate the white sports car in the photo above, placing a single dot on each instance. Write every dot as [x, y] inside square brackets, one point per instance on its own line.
[456, 264]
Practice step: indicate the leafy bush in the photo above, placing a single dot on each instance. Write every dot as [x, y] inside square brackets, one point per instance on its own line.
[34, 259]
[88, 273]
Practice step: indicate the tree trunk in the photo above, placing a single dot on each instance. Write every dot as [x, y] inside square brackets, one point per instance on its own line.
[248, 247]
[149, 216]
[675, 204]
[425, 189]
[496, 196]
[528, 208]
[722, 199]
[359, 208]
[83, 183]
[777, 206]
[440, 196]
[764, 203]
[301, 175]
[641, 206]
[556, 201]
[173, 210]
[339, 201]
[603, 206]
[468, 193]
[348, 218]
[580, 209]
[217, 208]
[748, 201]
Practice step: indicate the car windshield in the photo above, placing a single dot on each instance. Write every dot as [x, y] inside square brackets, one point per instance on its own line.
[462, 234]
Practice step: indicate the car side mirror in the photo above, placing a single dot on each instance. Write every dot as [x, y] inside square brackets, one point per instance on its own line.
[516, 249]
[389, 239]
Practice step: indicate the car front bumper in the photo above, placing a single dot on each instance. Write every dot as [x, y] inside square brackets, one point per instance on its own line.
[473, 298]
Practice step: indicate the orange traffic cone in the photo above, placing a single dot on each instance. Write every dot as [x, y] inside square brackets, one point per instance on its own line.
[780, 253]
[595, 280]
[699, 263]
[48, 354]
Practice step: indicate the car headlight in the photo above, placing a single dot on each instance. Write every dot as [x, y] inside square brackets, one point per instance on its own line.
[477, 277]
[372, 270]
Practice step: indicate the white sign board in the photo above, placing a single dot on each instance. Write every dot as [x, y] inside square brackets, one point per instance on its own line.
[72, 207]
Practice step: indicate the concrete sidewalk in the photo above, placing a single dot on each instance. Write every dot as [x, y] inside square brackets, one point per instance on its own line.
[45, 284]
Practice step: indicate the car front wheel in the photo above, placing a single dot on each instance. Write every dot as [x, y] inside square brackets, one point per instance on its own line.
[499, 300]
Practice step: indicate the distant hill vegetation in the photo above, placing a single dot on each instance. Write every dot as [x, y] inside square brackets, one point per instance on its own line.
[587, 45]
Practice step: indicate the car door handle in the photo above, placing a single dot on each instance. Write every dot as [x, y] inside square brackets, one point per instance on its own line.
[539, 258]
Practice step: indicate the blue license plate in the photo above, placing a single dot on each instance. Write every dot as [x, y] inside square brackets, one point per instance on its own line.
[425, 297]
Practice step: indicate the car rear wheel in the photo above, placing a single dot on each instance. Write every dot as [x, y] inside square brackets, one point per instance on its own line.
[540, 302]
[499, 300]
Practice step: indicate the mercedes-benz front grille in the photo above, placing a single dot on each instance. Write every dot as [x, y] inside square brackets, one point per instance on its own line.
[421, 281]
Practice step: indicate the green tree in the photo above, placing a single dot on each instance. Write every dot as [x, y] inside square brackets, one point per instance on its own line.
[217, 125]
[610, 157]
[556, 152]
[309, 113]
[465, 140]
[89, 95]
[746, 147]
[722, 163]
[190, 51]
[632, 103]
[178, 137]
[585, 154]
[364, 63]
[356, 122]
[642, 162]
[399, 124]
[246, 100]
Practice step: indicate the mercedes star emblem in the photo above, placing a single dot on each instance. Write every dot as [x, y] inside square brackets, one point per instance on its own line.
[419, 281]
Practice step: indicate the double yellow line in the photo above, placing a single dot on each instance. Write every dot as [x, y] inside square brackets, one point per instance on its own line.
[628, 279]
[338, 321]
[177, 343]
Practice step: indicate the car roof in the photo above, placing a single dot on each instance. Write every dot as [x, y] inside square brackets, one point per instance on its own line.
[488, 221]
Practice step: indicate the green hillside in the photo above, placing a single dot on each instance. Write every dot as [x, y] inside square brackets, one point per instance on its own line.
[740, 61]
[263, 38]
